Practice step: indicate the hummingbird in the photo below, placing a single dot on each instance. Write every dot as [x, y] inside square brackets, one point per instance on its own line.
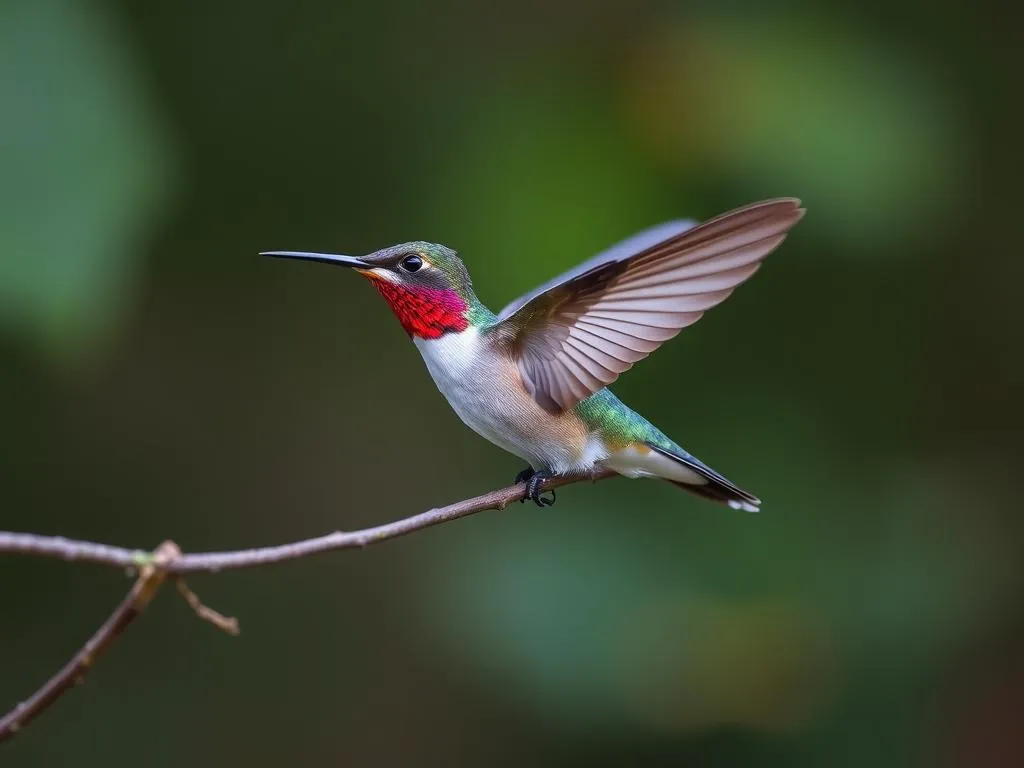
[533, 379]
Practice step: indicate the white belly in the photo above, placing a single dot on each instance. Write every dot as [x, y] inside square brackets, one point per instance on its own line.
[484, 390]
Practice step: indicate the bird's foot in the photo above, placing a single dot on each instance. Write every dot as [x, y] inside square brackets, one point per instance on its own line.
[533, 492]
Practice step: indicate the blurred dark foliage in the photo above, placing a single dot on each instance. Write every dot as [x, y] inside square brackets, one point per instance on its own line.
[159, 380]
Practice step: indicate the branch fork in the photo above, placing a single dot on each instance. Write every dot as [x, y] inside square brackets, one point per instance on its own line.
[167, 561]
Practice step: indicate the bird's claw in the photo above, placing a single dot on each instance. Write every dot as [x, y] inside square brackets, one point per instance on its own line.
[534, 481]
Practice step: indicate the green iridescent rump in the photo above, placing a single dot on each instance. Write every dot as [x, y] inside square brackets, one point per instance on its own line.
[620, 425]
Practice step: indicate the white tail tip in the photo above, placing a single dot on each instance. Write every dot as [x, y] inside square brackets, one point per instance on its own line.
[743, 505]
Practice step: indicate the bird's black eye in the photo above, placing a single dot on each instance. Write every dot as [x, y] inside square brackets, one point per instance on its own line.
[412, 263]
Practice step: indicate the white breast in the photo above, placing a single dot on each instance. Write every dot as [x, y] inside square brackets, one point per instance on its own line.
[483, 388]
[451, 358]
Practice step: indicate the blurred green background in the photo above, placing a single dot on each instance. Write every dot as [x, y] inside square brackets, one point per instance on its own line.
[158, 380]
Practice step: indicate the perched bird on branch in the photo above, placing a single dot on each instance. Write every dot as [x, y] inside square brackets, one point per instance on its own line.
[533, 378]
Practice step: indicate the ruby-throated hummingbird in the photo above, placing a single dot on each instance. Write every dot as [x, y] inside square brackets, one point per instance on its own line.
[532, 379]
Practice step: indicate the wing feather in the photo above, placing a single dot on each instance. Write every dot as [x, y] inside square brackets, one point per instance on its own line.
[578, 333]
[638, 337]
[636, 314]
[610, 341]
[602, 355]
[621, 250]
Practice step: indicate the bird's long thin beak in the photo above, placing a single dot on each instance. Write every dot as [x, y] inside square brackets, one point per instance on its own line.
[326, 258]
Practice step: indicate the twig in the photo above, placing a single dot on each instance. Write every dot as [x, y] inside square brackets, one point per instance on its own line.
[224, 623]
[150, 578]
[168, 562]
[211, 562]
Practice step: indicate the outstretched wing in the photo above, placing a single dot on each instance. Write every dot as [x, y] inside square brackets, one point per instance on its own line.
[578, 335]
[631, 246]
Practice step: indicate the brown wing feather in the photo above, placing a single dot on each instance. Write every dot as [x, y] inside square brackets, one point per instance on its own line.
[579, 336]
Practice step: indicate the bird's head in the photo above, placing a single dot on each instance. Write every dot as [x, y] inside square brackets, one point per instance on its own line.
[425, 284]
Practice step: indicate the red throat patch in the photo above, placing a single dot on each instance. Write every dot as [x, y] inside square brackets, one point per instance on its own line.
[425, 313]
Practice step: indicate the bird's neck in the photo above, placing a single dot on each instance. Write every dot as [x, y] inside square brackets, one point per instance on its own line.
[430, 313]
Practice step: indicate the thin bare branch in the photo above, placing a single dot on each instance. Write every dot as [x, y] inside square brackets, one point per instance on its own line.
[211, 562]
[59, 548]
[151, 576]
[168, 562]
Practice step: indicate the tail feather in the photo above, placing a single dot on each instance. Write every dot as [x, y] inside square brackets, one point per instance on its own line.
[716, 487]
